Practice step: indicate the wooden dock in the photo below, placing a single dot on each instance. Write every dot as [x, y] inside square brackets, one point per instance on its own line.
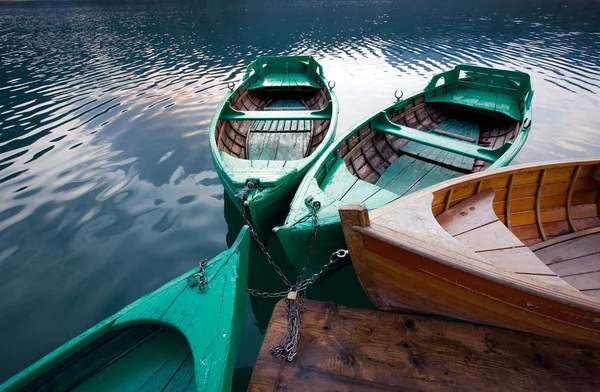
[346, 349]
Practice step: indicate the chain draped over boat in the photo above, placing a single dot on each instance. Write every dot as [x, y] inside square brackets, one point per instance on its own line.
[296, 292]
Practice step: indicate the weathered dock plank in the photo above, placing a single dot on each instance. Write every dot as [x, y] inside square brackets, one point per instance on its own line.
[346, 349]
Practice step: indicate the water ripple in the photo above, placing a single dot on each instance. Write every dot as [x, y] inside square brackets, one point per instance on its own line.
[105, 174]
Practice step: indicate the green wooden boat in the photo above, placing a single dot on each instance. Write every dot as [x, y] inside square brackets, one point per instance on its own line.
[177, 338]
[465, 120]
[269, 131]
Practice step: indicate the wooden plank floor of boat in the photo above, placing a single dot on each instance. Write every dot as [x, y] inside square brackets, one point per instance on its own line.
[346, 349]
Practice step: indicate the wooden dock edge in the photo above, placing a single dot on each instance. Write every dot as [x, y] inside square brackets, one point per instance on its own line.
[346, 349]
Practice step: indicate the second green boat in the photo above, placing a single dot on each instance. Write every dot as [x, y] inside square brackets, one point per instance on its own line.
[268, 132]
[465, 120]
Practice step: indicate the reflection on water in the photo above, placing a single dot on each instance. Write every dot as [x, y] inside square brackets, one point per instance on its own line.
[106, 185]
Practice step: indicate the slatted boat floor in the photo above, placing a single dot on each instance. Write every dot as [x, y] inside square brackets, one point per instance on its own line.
[466, 131]
[422, 166]
[576, 260]
[345, 349]
[280, 140]
[408, 174]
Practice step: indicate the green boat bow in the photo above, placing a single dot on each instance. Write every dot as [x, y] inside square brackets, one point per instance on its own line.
[465, 120]
[180, 337]
[269, 131]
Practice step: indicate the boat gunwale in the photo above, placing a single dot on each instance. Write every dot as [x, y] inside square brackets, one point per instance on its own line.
[300, 164]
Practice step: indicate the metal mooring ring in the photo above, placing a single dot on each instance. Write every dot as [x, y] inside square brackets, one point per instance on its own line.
[230, 86]
[330, 86]
[396, 95]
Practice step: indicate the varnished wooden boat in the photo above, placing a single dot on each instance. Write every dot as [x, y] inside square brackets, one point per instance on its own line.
[346, 349]
[517, 247]
[465, 120]
[269, 131]
[180, 337]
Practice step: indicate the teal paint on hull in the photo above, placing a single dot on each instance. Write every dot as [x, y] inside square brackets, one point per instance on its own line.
[330, 183]
[277, 181]
[175, 338]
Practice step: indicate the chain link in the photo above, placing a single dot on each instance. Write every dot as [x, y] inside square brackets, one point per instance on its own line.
[294, 317]
[264, 294]
[242, 197]
[200, 277]
[297, 292]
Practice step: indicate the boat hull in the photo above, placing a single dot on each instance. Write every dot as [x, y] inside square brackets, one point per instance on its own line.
[270, 130]
[176, 338]
[265, 207]
[408, 260]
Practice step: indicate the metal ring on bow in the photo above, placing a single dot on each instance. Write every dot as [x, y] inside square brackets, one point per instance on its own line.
[396, 95]
[527, 123]
[230, 86]
[330, 86]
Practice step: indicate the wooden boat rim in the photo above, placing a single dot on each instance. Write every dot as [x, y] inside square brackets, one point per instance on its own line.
[476, 177]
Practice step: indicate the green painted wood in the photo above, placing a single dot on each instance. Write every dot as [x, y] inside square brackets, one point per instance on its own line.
[328, 183]
[490, 89]
[279, 71]
[230, 113]
[175, 338]
[456, 127]
[338, 180]
[407, 176]
[383, 124]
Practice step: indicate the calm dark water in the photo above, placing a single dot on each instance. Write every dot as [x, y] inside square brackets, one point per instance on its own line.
[107, 189]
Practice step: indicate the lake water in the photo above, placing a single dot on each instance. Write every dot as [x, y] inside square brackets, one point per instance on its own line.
[107, 189]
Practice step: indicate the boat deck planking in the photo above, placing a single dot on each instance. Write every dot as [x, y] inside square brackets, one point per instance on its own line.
[345, 349]
[280, 140]
[576, 260]
[239, 138]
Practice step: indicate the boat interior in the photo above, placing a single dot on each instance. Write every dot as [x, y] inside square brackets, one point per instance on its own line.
[403, 167]
[282, 116]
[466, 113]
[142, 357]
[543, 224]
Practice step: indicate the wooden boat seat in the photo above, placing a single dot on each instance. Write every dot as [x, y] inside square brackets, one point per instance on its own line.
[230, 113]
[494, 90]
[462, 130]
[383, 124]
[274, 74]
[290, 79]
[474, 223]
[480, 99]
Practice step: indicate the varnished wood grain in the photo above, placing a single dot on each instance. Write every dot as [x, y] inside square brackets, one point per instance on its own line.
[409, 262]
[345, 349]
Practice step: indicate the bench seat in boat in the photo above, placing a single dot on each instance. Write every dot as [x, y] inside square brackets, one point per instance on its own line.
[485, 100]
[474, 223]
